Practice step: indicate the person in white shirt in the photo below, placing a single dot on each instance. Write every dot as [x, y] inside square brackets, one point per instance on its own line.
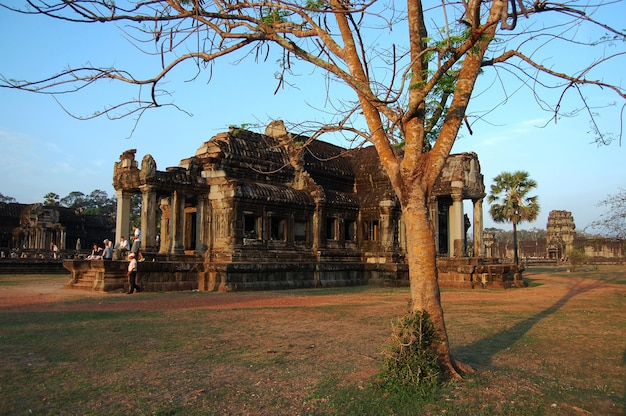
[120, 249]
[136, 248]
[132, 274]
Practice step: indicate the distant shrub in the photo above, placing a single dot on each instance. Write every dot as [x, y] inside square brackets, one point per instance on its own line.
[575, 258]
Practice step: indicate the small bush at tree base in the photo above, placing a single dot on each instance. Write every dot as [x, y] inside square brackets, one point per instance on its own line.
[411, 362]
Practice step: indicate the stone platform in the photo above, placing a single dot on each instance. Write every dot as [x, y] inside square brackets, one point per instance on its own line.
[110, 275]
[193, 274]
[477, 273]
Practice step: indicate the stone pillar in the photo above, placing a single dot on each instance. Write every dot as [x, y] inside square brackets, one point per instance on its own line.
[201, 231]
[122, 224]
[316, 228]
[479, 247]
[148, 218]
[166, 213]
[41, 237]
[177, 223]
[386, 225]
[457, 225]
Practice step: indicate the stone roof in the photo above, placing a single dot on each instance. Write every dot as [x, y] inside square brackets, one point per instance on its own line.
[243, 154]
[372, 182]
[461, 174]
[329, 165]
[270, 166]
[255, 191]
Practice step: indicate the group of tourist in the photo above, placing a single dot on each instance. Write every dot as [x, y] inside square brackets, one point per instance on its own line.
[102, 253]
[118, 252]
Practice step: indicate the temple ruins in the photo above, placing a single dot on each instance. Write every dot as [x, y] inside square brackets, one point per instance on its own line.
[32, 229]
[560, 234]
[256, 211]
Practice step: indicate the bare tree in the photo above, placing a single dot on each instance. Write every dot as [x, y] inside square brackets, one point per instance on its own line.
[612, 222]
[412, 90]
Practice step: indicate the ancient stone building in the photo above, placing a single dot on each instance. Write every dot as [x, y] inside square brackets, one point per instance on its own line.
[560, 233]
[263, 211]
[561, 237]
[9, 220]
[35, 227]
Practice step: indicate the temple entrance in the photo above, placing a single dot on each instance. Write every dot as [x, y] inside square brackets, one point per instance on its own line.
[189, 238]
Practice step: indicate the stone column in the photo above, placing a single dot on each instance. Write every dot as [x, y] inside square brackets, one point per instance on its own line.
[457, 223]
[386, 226]
[166, 213]
[41, 238]
[148, 218]
[316, 228]
[479, 247]
[177, 223]
[201, 232]
[122, 224]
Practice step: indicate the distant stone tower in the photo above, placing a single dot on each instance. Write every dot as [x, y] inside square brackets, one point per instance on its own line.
[560, 233]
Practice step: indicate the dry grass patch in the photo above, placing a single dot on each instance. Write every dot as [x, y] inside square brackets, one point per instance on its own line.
[554, 348]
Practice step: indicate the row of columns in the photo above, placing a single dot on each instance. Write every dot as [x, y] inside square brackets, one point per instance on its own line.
[173, 217]
[173, 213]
[456, 241]
[42, 238]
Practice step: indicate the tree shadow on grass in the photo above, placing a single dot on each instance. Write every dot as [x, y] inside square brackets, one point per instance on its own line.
[480, 353]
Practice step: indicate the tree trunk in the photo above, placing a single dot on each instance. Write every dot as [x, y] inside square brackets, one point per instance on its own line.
[515, 256]
[423, 278]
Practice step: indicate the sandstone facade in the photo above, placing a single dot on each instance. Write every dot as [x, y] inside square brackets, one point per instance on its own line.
[277, 210]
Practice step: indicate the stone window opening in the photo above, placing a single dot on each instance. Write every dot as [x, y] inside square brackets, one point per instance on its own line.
[252, 226]
[278, 229]
[301, 231]
[190, 227]
[331, 228]
[371, 230]
[350, 230]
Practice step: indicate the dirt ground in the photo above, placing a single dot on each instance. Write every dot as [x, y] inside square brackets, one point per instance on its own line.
[325, 341]
[36, 292]
[39, 293]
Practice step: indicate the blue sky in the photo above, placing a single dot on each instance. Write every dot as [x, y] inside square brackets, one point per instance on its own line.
[45, 150]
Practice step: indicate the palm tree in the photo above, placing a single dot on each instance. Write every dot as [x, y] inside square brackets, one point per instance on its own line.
[510, 203]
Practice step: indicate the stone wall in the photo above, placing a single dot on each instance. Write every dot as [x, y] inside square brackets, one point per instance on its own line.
[110, 276]
[471, 273]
